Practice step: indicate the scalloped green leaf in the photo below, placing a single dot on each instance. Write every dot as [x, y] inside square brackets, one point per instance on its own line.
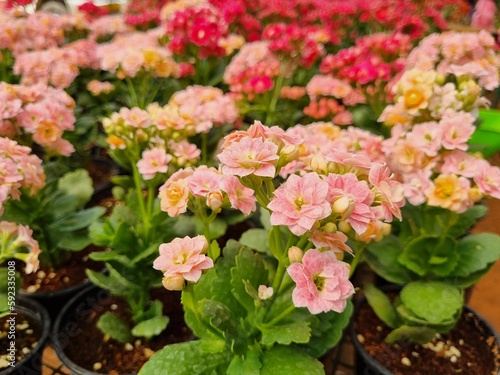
[382, 257]
[286, 360]
[151, 327]
[476, 252]
[427, 255]
[78, 184]
[249, 267]
[185, 358]
[467, 219]
[433, 301]
[257, 239]
[249, 364]
[298, 332]
[114, 326]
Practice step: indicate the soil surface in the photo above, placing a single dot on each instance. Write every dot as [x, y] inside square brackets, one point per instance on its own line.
[108, 356]
[72, 272]
[464, 350]
[27, 333]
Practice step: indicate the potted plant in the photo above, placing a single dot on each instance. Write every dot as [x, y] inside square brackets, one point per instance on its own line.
[431, 254]
[278, 299]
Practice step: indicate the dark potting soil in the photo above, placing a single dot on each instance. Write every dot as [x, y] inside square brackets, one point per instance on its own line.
[72, 272]
[27, 333]
[478, 350]
[90, 349]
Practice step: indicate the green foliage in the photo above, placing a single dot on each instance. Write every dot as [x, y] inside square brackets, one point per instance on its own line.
[114, 326]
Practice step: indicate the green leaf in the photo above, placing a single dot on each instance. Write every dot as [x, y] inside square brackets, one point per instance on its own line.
[382, 257]
[214, 250]
[476, 252]
[151, 327]
[381, 305]
[106, 256]
[77, 184]
[78, 220]
[248, 364]
[419, 335]
[430, 255]
[249, 267]
[112, 325]
[299, 332]
[185, 358]
[467, 219]
[434, 301]
[265, 219]
[257, 239]
[221, 318]
[109, 283]
[73, 241]
[217, 228]
[286, 360]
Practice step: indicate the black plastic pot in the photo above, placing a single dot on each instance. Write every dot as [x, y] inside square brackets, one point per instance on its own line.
[367, 365]
[32, 363]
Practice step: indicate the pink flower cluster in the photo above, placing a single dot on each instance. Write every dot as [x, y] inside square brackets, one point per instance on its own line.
[143, 14]
[30, 32]
[129, 54]
[56, 66]
[204, 187]
[20, 169]
[15, 239]
[432, 162]
[208, 107]
[459, 54]
[197, 32]
[107, 26]
[44, 113]
[252, 70]
[183, 260]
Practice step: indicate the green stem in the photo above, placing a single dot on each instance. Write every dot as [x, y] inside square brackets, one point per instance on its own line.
[274, 100]
[131, 89]
[356, 259]
[280, 316]
[140, 198]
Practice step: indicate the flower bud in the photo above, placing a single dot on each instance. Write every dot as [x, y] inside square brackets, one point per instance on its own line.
[173, 282]
[330, 228]
[341, 205]
[265, 292]
[318, 164]
[344, 226]
[474, 194]
[295, 254]
[214, 201]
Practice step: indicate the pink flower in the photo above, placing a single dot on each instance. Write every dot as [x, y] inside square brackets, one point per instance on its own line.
[153, 161]
[241, 197]
[322, 282]
[336, 242]
[484, 15]
[184, 257]
[250, 156]
[359, 195]
[488, 179]
[300, 202]
[204, 181]
[457, 128]
[389, 192]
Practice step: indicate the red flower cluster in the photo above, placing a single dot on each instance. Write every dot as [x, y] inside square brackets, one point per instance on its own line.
[377, 57]
[196, 31]
[293, 41]
[92, 10]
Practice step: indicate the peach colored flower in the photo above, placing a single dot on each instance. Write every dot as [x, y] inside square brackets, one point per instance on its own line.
[184, 257]
[450, 192]
[300, 202]
[174, 193]
[336, 242]
[250, 156]
[322, 282]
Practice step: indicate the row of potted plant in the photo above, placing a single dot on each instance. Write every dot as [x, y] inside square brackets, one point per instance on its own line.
[257, 165]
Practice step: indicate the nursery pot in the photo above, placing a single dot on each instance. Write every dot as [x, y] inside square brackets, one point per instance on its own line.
[472, 332]
[39, 322]
[75, 328]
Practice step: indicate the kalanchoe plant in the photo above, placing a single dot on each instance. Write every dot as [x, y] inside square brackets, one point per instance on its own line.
[432, 252]
[277, 299]
[53, 207]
